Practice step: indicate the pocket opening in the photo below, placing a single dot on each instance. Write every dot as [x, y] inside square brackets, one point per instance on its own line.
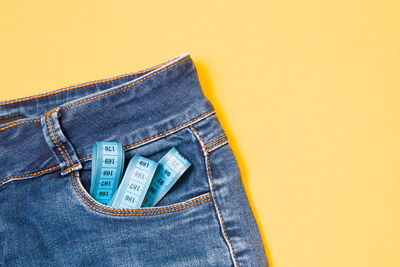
[191, 188]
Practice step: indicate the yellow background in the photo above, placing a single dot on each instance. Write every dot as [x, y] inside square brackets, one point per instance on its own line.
[308, 92]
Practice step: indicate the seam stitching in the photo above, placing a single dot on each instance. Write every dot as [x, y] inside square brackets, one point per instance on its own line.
[114, 91]
[48, 128]
[99, 204]
[59, 141]
[124, 210]
[199, 137]
[213, 141]
[123, 88]
[133, 214]
[216, 145]
[126, 147]
[219, 210]
[85, 84]
[17, 123]
[214, 196]
[29, 174]
[72, 166]
[182, 125]
[202, 141]
[85, 157]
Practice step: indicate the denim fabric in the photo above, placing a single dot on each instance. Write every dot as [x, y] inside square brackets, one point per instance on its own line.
[48, 218]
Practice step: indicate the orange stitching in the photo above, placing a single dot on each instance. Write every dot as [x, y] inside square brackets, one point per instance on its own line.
[216, 202]
[133, 214]
[191, 126]
[84, 84]
[62, 154]
[72, 166]
[208, 149]
[208, 195]
[28, 121]
[170, 207]
[82, 101]
[50, 111]
[97, 204]
[215, 140]
[55, 134]
[108, 208]
[184, 124]
[165, 210]
[84, 191]
[17, 123]
[39, 172]
[29, 174]
[123, 88]
[128, 146]
[157, 135]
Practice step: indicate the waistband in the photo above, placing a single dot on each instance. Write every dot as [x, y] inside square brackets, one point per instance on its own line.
[59, 127]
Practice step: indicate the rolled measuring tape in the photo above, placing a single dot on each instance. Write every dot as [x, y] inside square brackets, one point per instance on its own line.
[134, 184]
[107, 168]
[171, 166]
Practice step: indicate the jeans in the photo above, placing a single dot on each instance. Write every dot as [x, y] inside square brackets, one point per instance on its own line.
[48, 218]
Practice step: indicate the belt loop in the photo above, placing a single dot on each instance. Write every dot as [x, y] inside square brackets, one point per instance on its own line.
[59, 145]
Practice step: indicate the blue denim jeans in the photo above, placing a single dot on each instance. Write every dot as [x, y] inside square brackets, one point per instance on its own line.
[48, 218]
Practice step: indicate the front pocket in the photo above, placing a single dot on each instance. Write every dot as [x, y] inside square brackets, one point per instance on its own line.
[159, 209]
[191, 189]
[179, 234]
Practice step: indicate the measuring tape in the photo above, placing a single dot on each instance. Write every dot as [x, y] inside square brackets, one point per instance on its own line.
[107, 168]
[172, 166]
[134, 185]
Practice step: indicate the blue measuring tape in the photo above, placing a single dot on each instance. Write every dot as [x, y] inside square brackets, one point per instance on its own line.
[172, 166]
[107, 168]
[134, 185]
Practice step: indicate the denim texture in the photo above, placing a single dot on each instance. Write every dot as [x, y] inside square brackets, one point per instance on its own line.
[48, 218]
